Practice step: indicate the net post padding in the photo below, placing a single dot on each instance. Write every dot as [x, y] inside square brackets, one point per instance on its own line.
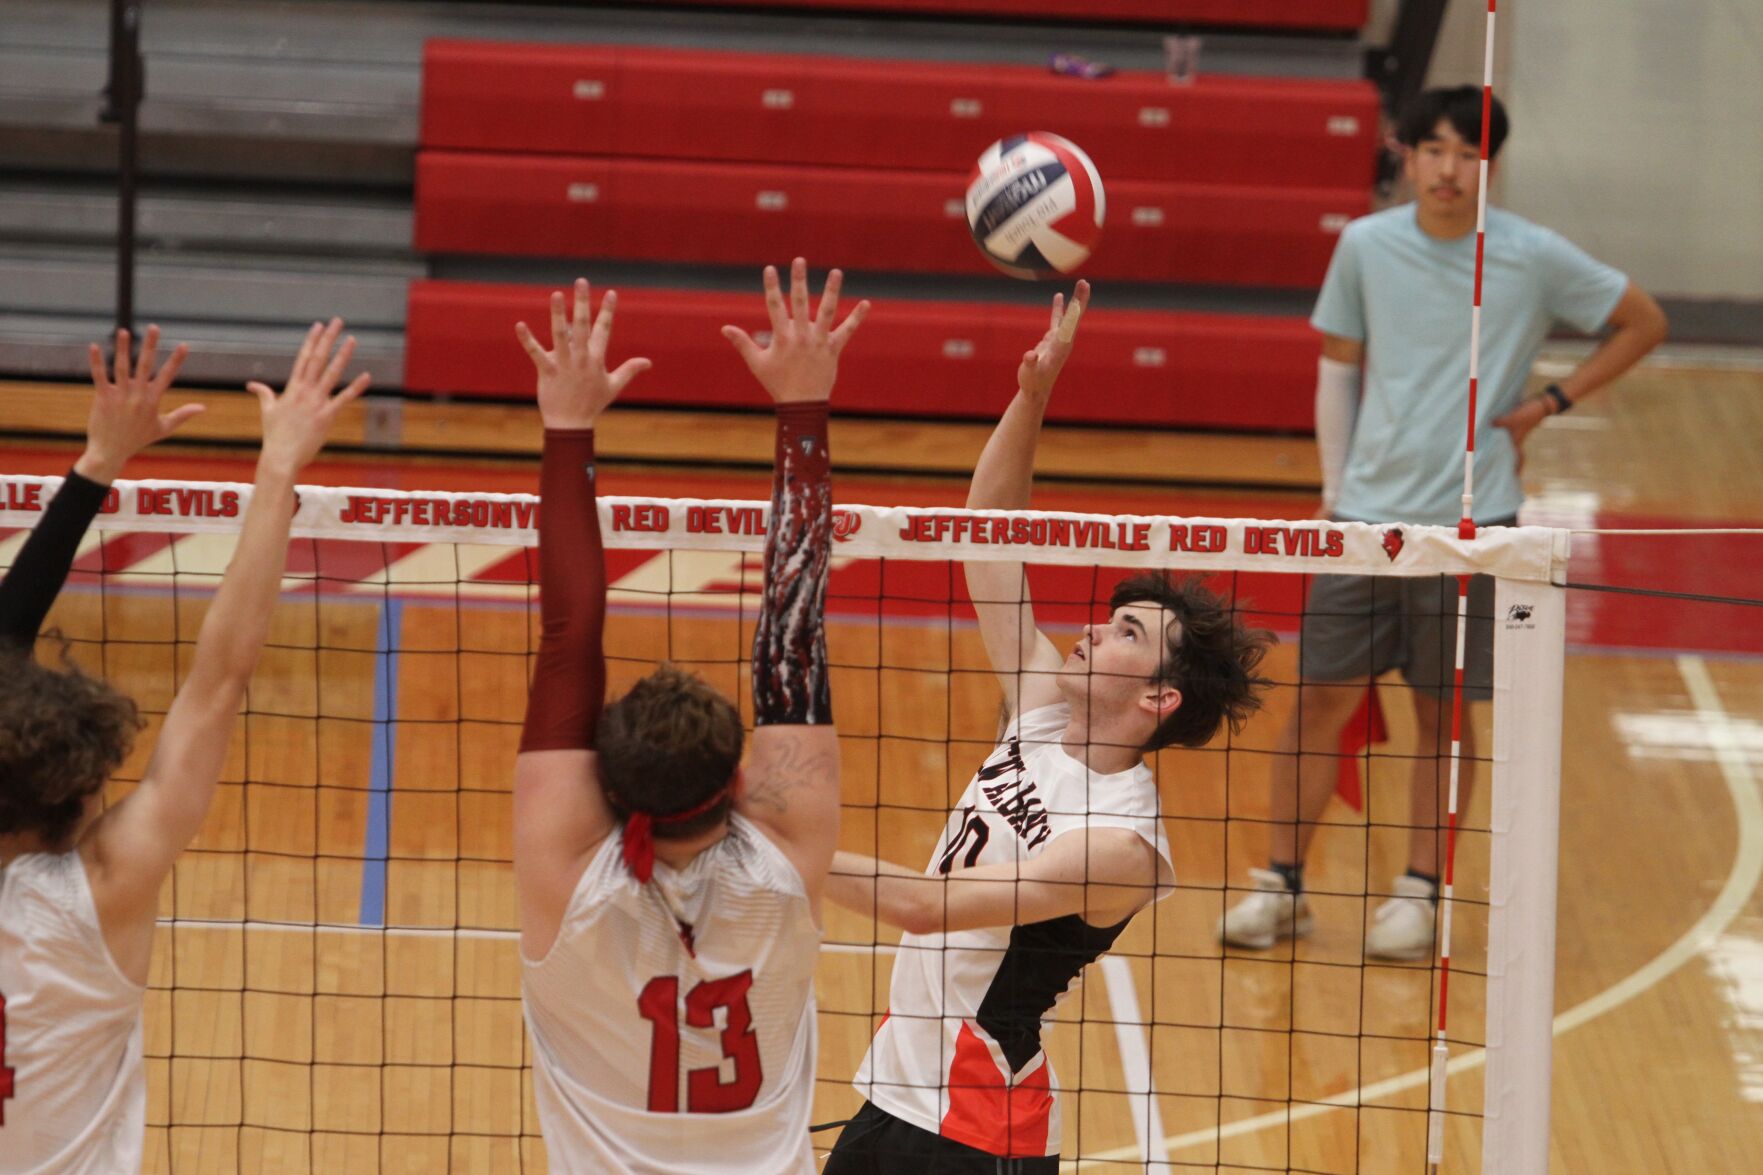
[1530, 622]
[1534, 554]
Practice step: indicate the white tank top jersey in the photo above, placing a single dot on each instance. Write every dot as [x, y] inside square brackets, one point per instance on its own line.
[673, 1024]
[959, 1051]
[73, 1088]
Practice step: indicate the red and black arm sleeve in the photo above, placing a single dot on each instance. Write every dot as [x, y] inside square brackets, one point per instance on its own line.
[790, 682]
[29, 589]
[569, 680]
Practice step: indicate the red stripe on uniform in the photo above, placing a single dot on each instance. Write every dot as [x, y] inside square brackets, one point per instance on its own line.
[987, 1112]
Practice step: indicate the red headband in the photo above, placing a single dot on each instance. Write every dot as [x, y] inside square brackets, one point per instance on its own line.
[639, 830]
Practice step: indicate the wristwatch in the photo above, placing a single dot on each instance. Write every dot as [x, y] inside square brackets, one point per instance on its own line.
[1559, 398]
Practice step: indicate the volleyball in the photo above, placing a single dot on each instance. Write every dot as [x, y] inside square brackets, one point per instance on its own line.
[1035, 205]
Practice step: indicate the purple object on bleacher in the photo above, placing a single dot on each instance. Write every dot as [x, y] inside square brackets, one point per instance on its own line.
[1071, 65]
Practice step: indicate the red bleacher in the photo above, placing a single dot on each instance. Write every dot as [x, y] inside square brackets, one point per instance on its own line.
[892, 115]
[1144, 368]
[718, 158]
[743, 214]
[1337, 15]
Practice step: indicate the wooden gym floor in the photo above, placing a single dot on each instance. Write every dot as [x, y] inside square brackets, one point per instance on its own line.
[277, 1047]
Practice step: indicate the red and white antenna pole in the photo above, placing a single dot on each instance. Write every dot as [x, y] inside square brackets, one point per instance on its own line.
[1435, 1124]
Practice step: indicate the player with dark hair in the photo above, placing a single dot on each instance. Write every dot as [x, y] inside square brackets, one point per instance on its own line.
[669, 901]
[1392, 381]
[80, 729]
[79, 890]
[1057, 842]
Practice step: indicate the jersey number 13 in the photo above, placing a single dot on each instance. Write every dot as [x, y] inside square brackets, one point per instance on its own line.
[706, 1092]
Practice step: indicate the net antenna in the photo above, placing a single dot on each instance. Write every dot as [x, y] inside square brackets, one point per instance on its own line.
[1441, 1053]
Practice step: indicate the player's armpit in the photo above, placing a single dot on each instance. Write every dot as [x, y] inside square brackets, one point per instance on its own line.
[791, 790]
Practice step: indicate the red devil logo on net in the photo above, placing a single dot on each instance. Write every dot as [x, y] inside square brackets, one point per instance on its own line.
[1392, 542]
[846, 524]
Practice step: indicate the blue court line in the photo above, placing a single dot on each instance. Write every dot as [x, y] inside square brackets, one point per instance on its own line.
[374, 850]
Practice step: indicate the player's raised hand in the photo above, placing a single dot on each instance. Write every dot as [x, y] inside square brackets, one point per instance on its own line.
[574, 385]
[125, 416]
[295, 422]
[801, 362]
[1040, 367]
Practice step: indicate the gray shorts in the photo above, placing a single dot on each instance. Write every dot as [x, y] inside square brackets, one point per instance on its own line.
[1358, 626]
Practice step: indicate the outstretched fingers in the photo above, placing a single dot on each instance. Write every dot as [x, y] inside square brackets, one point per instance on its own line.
[828, 311]
[799, 293]
[601, 335]
[169, 372]
[774, 302]
[849, 327]
[178, 417]
[149, 352]
[579, 340]
[334, 369]
[356, 386]
[625, 372]
[541, 358]
[559, 323]
[303, 357]
[100, 377]
[309, 373]
[744, 345]
[120, 364]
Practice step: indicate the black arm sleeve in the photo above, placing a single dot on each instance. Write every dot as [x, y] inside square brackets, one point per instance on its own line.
[30, 588]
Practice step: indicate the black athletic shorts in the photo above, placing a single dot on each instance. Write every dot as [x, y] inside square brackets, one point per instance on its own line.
[877, 1143]
[1359, 626]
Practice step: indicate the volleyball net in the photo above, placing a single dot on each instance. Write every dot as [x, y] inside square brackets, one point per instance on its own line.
[336, 982]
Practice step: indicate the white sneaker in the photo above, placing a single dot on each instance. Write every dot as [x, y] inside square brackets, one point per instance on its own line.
[1267, 915]
[1402, 928]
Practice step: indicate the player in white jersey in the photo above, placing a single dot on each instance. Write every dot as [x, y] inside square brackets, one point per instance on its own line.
[1054, 846]
[669, 902]
[79, 890]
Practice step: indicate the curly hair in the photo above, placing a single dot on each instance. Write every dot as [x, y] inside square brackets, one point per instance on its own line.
[1211, 658]
[667, 746]
[62, 733]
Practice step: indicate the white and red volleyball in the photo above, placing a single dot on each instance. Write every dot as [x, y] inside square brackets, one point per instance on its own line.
[1035, 205]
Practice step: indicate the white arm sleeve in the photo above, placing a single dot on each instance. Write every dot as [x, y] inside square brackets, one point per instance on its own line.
[1337, 407]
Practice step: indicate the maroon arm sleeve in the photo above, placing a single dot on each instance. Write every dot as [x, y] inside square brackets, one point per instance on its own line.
[569, 681]
[790, 683]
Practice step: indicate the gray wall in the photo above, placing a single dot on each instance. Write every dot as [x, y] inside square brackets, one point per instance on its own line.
[1637, 130]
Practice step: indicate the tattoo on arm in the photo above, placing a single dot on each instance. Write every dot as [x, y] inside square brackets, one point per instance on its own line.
[789, 768]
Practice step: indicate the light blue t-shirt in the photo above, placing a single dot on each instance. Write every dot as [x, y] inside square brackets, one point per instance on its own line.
[1407, 296]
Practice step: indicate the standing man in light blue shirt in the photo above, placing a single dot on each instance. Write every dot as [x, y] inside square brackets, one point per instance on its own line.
[1391, 402]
